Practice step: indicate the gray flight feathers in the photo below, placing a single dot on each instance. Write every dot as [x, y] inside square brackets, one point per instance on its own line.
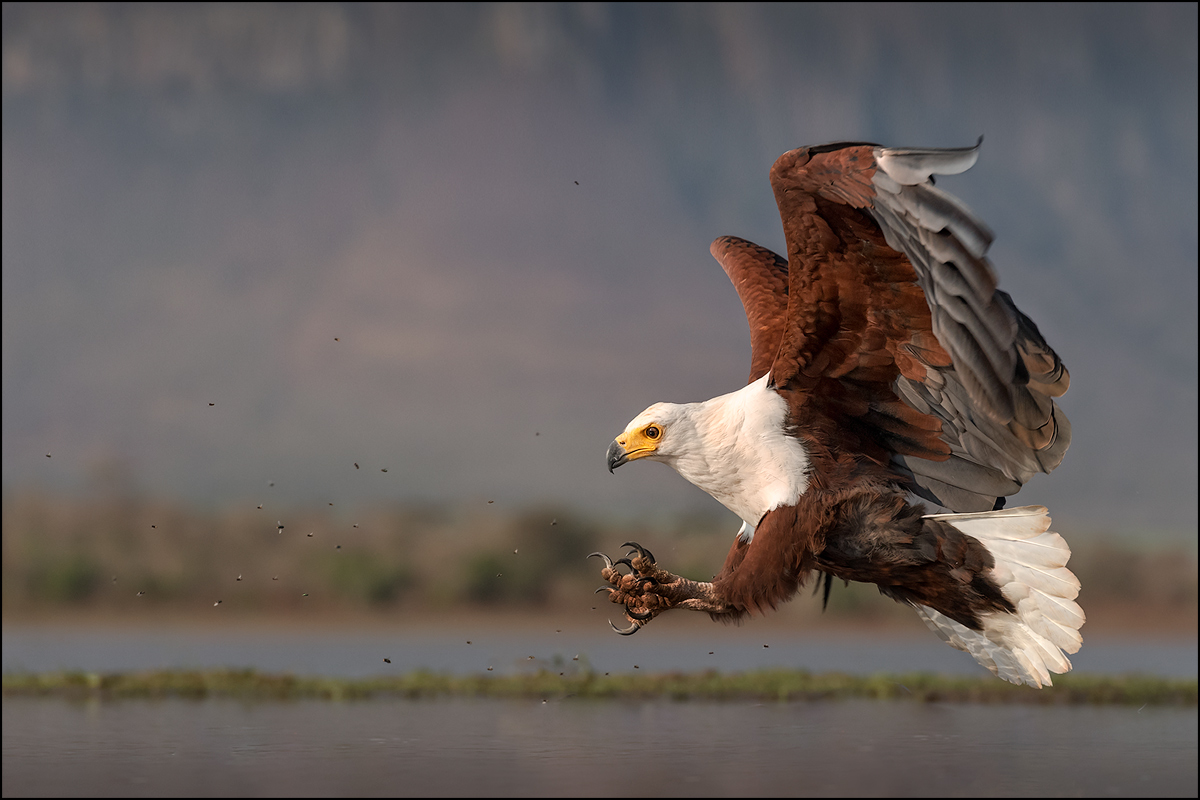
[996, 401]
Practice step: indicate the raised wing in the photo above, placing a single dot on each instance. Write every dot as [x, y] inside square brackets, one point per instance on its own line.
[897, 338]
[761, 279]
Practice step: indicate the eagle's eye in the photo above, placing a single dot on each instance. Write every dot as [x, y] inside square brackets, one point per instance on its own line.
[652, 432]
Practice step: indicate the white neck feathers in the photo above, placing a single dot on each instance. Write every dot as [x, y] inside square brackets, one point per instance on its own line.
[734, 447]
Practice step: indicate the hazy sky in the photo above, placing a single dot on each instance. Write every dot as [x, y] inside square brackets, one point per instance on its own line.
[468, 244]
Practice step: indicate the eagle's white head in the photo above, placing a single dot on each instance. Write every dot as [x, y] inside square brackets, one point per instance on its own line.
[734, 447]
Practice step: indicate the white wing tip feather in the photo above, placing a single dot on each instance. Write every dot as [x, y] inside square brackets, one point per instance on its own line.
[909, 166]
[1025, 647]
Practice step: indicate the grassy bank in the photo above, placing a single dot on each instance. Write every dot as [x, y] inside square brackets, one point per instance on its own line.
[774, 685]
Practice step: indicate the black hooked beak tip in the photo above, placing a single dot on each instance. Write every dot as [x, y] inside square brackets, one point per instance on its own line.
[616, 456]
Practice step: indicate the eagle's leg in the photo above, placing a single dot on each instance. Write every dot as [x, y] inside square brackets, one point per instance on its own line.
[646, 590]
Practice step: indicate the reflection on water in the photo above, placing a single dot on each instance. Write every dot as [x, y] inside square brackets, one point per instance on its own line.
[571, 747]
[355, 654]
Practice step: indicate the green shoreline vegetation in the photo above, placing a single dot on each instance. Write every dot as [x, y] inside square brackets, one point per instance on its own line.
[771, 685]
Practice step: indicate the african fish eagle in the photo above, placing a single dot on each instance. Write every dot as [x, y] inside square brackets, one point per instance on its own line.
[885, 363]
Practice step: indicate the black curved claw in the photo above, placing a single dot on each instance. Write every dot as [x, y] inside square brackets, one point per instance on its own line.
[632, 629]
[602, 588]
[643, 552]
[607, 560]
[626, 562]
[644, 615]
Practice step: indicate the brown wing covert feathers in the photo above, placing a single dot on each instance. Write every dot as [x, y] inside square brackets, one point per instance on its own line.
[761, 279]
[896, 330]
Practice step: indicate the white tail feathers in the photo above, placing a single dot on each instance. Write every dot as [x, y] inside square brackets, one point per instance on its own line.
[1030, 569]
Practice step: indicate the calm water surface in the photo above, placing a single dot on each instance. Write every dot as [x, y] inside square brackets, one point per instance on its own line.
[576, 747]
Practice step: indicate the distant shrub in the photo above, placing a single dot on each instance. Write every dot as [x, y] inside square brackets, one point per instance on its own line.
[484, 579]
[64, 579]
[550, 546]
[362, 576]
